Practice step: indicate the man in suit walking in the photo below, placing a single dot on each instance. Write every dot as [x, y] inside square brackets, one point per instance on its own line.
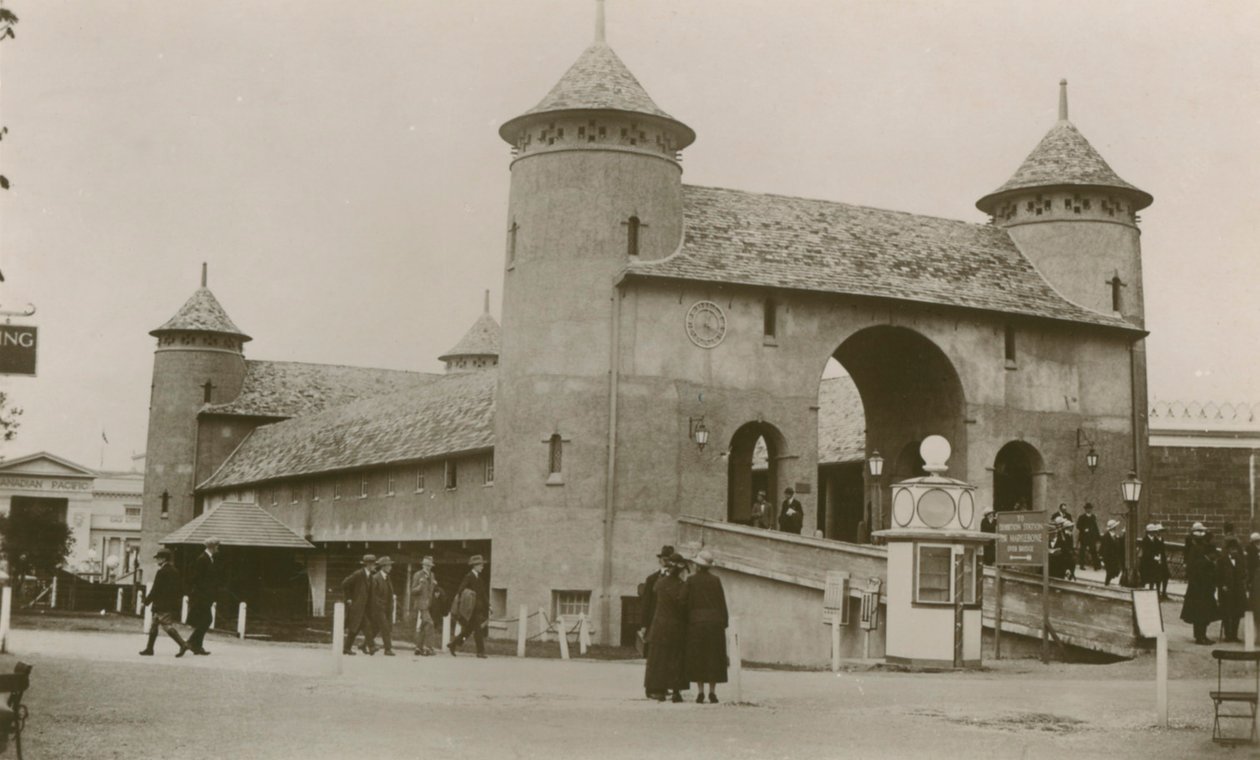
[166, 599]
[423, 587]
[356, 590]
[203, 590]
[472, 607]
[381, 607]
[792, 514]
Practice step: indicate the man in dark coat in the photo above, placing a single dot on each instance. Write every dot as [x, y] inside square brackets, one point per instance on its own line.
[1087, 535]
[647, 604]
[665, 671]
[1060, 548]
[1153, 558]
[203, 591]
[472, 609]
[1231, 588]
[791, 514]
[988, 524]
[356, 590]
[381, 606]
[1253, 578]
[167, 600]
[1113, 551]
[1199, 608]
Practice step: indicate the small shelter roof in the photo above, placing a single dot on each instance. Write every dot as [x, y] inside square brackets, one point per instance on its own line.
[237, 524]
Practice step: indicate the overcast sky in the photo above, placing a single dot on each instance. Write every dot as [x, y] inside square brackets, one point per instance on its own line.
[338, 164]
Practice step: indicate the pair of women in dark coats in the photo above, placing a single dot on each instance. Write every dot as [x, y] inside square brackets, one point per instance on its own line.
[1199, 608]
[688, 633]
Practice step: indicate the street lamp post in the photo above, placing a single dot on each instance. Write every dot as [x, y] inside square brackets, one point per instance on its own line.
[874, 520]
[1131, 492]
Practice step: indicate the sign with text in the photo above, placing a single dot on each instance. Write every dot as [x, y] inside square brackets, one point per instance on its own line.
[1021, 539]
[17, 349]
[1147, 615]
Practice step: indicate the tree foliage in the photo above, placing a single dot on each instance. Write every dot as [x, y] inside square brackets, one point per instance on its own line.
[8, 419]
[34, 542]
[8, 19]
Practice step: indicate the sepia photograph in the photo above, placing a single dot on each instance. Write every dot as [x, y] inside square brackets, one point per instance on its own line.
[604, 378]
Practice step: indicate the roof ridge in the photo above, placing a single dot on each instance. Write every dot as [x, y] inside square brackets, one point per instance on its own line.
[342, 366]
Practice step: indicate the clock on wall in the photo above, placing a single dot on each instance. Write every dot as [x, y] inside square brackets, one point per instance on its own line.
[706, 324]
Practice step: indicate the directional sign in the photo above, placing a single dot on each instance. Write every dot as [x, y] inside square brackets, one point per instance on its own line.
[17, 349]
[1021, 538]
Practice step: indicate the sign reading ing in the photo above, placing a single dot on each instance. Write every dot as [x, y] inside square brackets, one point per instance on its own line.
[17, 349]
[1021, 538]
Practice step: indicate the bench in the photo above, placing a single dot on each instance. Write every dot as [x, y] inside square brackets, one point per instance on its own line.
[1248, 699]
[13, 712]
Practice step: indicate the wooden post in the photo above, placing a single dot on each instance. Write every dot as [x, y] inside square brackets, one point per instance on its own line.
[52, 600]
[394, 608]
[339, 635]
[446, 631]
[736, 660]
[240, 621]
[997, 612]
[522, 630]
[958, 556]
[542, 625]
[1161, 679]
[183, 610]
[564, 638]
[118, 601]
[1249, 630]
[139, 599]
[6, 609]
[835, 642]
[584, 635]
[1045, 608]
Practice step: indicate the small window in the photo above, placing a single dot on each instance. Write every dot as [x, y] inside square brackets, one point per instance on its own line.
[632, 236]
[488, 472]
[295, 493]
[132, 511]
[419, 480]
[1115, 292]
[363, 486]
[313, 493]
[1009, 346]
[555, 455]
[770, 318]
[933, 579]
[336, 490]
[166, 505]
[275, 495]
[452, 481]
[571, 603]
[389, 483]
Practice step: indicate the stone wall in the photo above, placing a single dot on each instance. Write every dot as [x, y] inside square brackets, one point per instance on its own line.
[1207, 484]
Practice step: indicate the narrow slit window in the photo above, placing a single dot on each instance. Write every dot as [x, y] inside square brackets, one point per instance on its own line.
[1115, 293]
[555, 455]
[770, 318]
[632, 236]
[451, 480]
[1009, 344]
[512, 242]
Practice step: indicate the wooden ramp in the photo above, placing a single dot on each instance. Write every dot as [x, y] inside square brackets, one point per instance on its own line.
[775, 585]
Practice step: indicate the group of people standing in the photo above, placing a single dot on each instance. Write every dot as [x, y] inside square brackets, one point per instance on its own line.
[166, 598]
[791, 516]
[685, 619]
[1221, 583]
[1073, 543]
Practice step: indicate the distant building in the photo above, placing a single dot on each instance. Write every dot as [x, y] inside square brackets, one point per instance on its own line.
[102, 508]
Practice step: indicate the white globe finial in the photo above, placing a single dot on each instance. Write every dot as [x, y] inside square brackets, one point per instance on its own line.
[935, 452]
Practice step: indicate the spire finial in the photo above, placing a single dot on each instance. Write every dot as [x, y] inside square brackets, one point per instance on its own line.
[1063, 113]
[487, 307]
[599, 20]
[203, 274]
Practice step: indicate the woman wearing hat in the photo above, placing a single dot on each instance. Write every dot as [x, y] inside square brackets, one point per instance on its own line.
[1153, 560]
[1112, 551]
[668, 635]
[1200, 608]
[706, 628]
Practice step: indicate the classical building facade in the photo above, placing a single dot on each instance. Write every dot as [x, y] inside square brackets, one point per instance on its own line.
[643, 317]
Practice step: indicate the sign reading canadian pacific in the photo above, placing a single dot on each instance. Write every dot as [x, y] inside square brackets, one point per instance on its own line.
[17, 349]
[44, 484]
[1021, 538]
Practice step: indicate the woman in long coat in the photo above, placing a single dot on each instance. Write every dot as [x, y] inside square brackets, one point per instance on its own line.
[668, 636]
[1199, 608]
[706, 628]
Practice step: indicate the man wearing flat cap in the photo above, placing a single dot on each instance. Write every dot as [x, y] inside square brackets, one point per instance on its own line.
[471, 607]
[381, 607]
[356, 592]
[166, 600]
[423, 590]
[204, 585]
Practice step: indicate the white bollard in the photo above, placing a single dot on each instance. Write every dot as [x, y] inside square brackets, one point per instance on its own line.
[732, 654]
[1249, 631]
[394, 605]
[139, 599]
[1161, 679]
[52, 601]
[118, 602]
[214, 609]
[584, 635]
[183, 610]
[522, 631]
[6, 609]
[240, 622]
[564, 638]
[339, 635]
[446, 631]
[835, 643]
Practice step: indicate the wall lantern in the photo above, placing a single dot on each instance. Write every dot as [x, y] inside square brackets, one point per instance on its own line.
[1091, 458]
[697, 431]
[1131, 488]
[876, 464]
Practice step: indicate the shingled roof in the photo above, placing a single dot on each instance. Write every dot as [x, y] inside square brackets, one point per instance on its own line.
[203, 313]
[841, 422]
[237, 525]
[737, 237]
[482, 339]
[1064, 158]
[290, 389]
[452, 414]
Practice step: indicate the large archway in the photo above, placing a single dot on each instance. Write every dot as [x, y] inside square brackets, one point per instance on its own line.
[748, 472]
[908, 389]
[1018, 478]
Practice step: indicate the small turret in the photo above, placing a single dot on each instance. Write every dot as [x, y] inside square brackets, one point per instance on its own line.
[478, 349]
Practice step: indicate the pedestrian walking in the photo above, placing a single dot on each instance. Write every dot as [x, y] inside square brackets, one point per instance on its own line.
[381, 607]
[472, 608]
[1087, 534]
[356, 591]
[1199, 608]
[1063, 512]
[762, 512]
[665, 673]
[1060, 548]
[792, 514]
[1231, 588]
[705, 601]
[204, 585]
[647, 593]
[424, 590]
[1153, 559]
[1253, 577]
[166, 600]
[1112, 552]
[988, 524]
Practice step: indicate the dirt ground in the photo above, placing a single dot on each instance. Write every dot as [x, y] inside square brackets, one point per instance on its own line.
[93, 697]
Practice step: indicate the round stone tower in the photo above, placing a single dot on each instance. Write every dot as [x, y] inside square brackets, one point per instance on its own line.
[1075, 220]
[199, 360]
[596, 183]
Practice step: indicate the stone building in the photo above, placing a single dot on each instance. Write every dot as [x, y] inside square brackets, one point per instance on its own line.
[642, 318]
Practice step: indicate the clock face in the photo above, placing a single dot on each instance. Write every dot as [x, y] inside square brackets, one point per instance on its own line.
[706, 324]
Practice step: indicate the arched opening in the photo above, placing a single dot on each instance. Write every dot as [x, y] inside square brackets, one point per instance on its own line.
[885, 389]
[1018, 478]
[752, 467]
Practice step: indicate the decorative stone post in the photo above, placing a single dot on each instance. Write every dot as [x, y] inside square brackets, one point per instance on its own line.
[935, 575]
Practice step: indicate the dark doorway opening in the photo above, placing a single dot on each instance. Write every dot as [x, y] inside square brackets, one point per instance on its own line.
[1016, 471]
[745, 478]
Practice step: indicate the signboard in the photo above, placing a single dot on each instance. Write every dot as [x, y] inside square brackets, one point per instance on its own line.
[1147, 615]
[17, 349]
[836, 597]
[870, 605]
[1021, 539]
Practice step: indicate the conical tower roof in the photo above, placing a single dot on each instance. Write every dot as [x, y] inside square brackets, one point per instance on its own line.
[482, 339]
[201, 313]
[1064, 158]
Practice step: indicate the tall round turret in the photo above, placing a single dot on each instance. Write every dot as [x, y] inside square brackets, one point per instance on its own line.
[1075, 220]
[199, 360]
